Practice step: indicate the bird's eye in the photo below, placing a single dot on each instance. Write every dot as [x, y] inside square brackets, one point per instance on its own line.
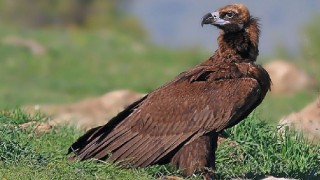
[229, 14]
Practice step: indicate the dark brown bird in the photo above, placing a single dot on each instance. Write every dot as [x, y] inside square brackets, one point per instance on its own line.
[179, 122]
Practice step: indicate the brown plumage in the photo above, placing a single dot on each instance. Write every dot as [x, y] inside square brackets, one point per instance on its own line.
[179, 122]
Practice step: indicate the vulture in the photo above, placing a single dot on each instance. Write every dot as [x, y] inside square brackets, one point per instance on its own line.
[179, 122]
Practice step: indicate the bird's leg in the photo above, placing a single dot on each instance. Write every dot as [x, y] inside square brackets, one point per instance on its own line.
[197, 156]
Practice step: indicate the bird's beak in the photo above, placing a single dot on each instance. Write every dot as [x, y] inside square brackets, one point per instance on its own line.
[207, 19]
[214, 19]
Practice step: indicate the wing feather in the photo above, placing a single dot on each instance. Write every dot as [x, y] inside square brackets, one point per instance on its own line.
[159, 152]
[128, 149]
[199, 101]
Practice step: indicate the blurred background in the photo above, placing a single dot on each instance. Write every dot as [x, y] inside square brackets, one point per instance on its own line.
[57, 52]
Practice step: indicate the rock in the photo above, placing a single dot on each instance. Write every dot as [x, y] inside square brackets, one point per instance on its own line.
[90, 112]
[269, 178]
[33, 46]
[275, 178]
[306, 121]
[287, 78]
[43, 127]
[170, 178]
[38, 127]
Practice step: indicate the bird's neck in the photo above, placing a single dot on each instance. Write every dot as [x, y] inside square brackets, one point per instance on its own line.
[241, 46]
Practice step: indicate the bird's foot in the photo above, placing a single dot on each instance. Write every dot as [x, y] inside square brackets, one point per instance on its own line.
[208, 174]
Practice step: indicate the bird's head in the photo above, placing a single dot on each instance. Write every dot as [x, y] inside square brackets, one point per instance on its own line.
[230, 18]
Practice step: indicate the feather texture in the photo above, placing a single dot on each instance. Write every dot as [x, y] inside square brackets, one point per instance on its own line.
[179, 122]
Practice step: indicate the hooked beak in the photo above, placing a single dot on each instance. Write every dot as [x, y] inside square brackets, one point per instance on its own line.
[214, 19]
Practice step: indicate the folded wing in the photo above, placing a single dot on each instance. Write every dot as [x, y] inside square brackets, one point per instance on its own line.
[152, 129]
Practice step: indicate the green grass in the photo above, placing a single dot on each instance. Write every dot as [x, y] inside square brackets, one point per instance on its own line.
[83, 63]
[274, 107]
[25, 154]
[262, 151]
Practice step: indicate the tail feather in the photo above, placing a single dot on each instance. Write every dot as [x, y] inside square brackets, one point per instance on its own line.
[93, 137]
[82, 141]
[126, 150]
[102, 151]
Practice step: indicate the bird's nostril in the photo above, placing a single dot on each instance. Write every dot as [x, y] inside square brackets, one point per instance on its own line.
[215, 15]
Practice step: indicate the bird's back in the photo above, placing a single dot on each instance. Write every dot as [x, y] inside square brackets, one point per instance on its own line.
[177, 122]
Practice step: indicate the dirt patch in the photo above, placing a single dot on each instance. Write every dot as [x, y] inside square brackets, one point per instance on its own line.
[306, 121]
[87, 113]
[287, 78]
